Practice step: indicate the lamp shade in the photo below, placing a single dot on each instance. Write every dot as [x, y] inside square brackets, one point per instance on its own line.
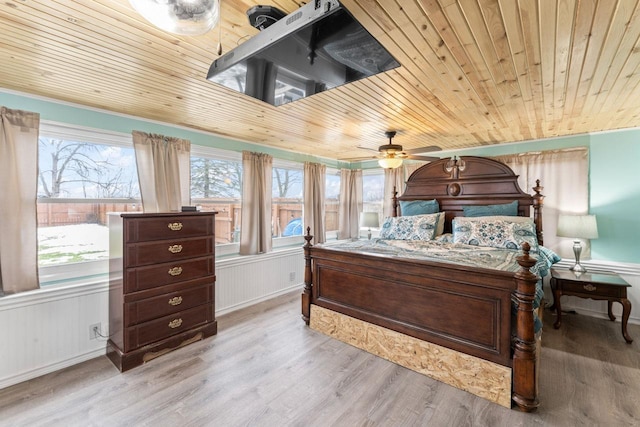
[185, 17]
[577, 226]
[369, 219]
[390, 162]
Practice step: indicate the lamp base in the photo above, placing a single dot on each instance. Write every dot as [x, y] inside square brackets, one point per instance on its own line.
[577, 250]
[578, 268]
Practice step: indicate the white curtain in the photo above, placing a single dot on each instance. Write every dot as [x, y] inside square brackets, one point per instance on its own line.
[18, 220]
[164, 171]
[350, 204]
[392, 178]
[564, 174]
[255, 223]
[314, 209]
[396, 177]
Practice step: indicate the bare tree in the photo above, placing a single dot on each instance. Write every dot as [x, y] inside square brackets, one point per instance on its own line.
[79, 162]
[216, 178]
[285, 179]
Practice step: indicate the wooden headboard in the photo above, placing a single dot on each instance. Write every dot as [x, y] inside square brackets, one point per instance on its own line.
[481, 181]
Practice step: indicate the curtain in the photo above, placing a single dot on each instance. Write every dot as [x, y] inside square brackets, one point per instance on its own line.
[392, 178]
[564, 174]
[314, 210]
[396, 177]
[18, 224]
[164, 171]
[350, 204]
[255, 222]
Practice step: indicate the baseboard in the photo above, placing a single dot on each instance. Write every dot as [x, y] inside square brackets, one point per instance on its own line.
[43, 370]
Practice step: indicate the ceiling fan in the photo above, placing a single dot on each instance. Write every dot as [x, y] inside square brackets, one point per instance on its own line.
[390, 155]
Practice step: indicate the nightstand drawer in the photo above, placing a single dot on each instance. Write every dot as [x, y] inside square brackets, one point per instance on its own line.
[596, 289]
[164, 305]
[147, 229]
[141, 278]
[155, 330]
[168, 251]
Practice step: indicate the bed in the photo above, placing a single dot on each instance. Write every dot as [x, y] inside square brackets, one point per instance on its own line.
[467, 324]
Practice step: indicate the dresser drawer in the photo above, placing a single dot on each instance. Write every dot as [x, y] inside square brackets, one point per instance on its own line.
[162, 228]
[168, 250]
[164, 305]
[141, 278]
[595, 289]
[155, 330]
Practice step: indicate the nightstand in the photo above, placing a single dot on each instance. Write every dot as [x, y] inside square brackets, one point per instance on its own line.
[598, 286]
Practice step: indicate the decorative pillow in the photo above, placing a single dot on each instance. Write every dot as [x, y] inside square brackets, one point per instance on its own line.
[416, 227]
[419, 207]
[496, 231]
[508, 209]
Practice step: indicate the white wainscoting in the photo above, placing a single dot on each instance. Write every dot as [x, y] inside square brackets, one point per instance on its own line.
[48, 329]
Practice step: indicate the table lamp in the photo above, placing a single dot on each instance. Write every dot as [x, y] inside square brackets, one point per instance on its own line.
[369, 219]
[577, 227]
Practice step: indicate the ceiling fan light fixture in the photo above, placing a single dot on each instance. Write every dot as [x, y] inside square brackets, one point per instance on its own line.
[390, 162]
[183, 17]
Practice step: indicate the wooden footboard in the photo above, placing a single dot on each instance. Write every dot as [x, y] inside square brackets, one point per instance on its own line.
[464, 309]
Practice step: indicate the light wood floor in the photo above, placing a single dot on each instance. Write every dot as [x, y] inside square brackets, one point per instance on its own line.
[266, 368]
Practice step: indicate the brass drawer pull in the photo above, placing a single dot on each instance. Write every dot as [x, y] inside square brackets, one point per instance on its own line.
[175, 301]
[175, 226]
[175, 271]
[174, 249]
[175, 323]
[589, 287]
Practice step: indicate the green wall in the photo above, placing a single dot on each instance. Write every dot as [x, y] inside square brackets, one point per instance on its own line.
[614, 160]
[614, 190]
[65, 113]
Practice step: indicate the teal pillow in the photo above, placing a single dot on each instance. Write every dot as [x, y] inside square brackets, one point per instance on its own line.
[419, 207]
[508, 209]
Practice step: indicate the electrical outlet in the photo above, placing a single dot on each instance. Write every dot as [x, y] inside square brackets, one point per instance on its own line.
[292, 276]
[94, 331]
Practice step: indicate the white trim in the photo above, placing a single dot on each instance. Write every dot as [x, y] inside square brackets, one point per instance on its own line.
[604, 266]
[53, 293]
[51, 129]
[34, 373]
[215, 153]
[248, 259]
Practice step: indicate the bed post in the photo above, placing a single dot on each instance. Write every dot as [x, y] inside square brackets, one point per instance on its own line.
[394, 202]
[525, 371]
[306, 293]
[538, 201]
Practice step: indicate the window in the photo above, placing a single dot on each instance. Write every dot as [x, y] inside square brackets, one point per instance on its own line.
[332, 198]
[216, 185]
[287, 202]
[373, 191]
[83, 175]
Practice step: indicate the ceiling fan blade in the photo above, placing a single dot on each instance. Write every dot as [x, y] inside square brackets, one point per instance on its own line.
[423, 158]
[427, 149]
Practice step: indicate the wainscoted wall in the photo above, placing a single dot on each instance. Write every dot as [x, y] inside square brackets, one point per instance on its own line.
[48, 329]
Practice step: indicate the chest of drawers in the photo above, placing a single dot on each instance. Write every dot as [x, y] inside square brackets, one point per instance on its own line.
[161, 284]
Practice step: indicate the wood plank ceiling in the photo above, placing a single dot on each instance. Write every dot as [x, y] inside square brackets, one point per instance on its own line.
[473, 72]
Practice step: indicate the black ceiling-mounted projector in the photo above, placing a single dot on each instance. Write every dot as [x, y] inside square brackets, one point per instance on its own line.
[261, 17]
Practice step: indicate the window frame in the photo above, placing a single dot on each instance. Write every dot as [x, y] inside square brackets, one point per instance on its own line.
[91, 271]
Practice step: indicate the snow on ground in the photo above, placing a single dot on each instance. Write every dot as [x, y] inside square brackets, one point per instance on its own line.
[72, 243]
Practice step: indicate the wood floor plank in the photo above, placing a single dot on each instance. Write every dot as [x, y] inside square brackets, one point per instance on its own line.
[266, 368]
